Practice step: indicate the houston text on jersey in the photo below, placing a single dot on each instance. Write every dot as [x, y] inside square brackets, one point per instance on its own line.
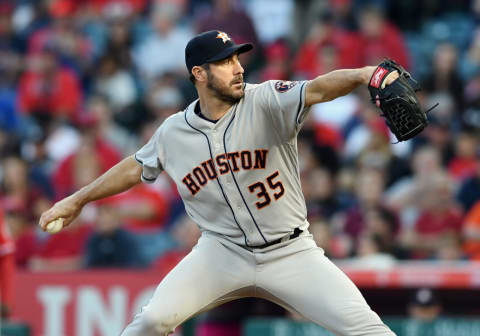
[207, 170]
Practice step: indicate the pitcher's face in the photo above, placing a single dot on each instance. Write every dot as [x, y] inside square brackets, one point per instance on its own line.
[225, 79]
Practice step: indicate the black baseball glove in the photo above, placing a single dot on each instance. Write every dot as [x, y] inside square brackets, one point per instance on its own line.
[398, 101]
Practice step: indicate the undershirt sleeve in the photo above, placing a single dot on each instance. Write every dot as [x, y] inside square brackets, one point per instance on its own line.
[151, 157]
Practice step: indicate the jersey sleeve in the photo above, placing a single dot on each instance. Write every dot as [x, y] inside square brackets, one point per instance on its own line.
[151, 157]
[285, 101]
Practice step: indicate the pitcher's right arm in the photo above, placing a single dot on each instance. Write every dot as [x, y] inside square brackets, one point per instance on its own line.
[124, 175]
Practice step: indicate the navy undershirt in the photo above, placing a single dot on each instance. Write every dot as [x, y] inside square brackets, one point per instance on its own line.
[200, 114]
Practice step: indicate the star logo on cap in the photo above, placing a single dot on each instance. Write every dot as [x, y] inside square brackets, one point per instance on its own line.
[223, 36]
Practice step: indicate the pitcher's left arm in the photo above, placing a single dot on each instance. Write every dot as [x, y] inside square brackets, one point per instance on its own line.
[339, 83]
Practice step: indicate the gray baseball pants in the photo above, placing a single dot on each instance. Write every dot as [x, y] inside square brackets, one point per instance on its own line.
[294, 274]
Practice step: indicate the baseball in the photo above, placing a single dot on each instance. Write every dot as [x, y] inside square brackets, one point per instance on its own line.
[55, 226]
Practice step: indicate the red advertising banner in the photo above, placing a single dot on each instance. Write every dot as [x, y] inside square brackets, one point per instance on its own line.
[101, 303]
[93, 303]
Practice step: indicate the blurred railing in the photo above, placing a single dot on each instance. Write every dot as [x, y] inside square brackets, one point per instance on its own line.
[458, 274]
[401, 327]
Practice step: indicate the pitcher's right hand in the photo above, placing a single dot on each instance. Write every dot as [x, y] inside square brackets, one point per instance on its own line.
[69, 208]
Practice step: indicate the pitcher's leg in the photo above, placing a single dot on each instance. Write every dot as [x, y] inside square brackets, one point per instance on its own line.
[209, 275]
[311, 284]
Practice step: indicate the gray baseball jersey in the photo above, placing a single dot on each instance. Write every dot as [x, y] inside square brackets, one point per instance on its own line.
[238, 177]
[240, 183]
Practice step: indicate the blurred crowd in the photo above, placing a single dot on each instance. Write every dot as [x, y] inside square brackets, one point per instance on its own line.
[84, 83]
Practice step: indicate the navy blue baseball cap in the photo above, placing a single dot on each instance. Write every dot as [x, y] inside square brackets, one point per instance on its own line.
[211, 46]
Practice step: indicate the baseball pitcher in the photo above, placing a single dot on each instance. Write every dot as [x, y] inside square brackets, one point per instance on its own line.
[233, 156]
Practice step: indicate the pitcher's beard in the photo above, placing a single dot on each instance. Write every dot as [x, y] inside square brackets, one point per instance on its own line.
[222, 92]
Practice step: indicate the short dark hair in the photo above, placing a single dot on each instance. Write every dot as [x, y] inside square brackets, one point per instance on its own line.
[206, 66]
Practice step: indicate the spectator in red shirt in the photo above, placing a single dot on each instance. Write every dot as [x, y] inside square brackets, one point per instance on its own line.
[439, 222]
[48, 90]
[380, 38]
[142, 209]
[327, 48]
[63, 251]
[7, 268]
[277, 64]
[18, 189]
[23, 233]
[93, 157]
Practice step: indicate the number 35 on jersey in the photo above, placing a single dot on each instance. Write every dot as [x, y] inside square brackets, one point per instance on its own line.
[233, 162]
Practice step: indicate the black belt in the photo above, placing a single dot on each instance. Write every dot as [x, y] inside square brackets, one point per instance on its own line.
[295, 234]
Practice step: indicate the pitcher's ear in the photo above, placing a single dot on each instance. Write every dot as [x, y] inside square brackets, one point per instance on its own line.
[199, 73]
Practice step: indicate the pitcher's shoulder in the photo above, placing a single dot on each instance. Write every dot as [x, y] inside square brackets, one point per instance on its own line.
[175, 119]
[252, 88]
[257, 91]
[171, 123]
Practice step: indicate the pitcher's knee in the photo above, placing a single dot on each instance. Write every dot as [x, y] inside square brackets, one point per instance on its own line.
[158, 324]
[362, 321]
[377, 328]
